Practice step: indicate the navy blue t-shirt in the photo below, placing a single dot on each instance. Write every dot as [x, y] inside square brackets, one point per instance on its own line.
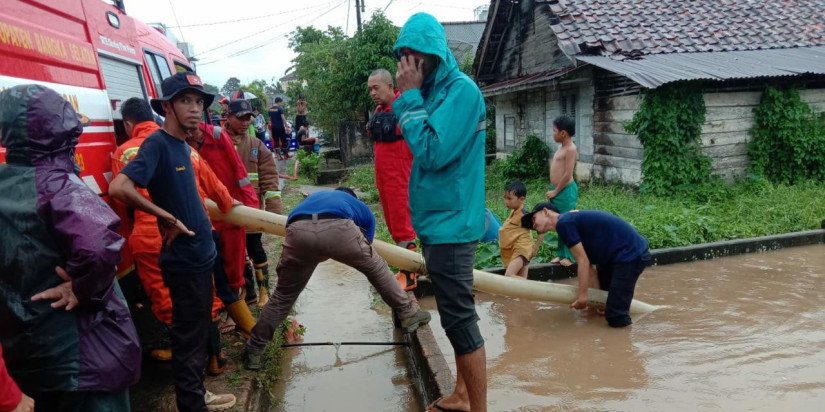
[341, 204]
[606, 238]
[275, 113]
[164, 168]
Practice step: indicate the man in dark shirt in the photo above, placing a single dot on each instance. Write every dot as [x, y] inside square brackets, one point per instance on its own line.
[328, 225]
[611, 254]
[277, 119]
[164, 168]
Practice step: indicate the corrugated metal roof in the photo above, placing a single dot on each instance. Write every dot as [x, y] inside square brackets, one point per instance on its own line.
[529, 81]
[655, 70]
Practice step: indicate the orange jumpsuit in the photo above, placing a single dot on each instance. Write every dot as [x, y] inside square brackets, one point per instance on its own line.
[145, 240]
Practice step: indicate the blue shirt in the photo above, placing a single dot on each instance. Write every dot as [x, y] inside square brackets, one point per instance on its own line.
[606, 238]
[340, 204]
[164, 168]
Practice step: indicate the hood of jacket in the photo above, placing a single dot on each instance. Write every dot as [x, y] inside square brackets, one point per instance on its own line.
[38, 127]
[423, 33]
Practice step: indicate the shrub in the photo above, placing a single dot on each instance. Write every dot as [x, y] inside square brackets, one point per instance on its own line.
[310, 163]
[669, 126]
[788, 139]
[528, 162]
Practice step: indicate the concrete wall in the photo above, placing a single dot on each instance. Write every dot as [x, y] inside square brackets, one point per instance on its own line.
[535, 109]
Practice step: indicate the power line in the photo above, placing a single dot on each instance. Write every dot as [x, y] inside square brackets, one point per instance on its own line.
[215, 23]
[387, 6]
[175, 15]
[267, 41]
[262, 31]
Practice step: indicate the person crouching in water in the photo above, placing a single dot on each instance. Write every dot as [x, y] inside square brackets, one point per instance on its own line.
[610, 253]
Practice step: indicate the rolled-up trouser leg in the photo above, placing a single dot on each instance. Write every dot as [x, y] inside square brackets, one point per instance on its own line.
[450, 267]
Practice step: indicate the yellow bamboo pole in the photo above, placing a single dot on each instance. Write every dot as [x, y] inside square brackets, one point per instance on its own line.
[259, 220]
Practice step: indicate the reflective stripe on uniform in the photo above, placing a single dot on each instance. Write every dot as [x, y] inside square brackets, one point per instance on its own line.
[481, 125]
[243, 182]
[270, 194]
[129, 154]
[253, 177]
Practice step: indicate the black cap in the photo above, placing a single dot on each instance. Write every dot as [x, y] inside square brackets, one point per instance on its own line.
[240, 107]
[177, 83]
[527, 220]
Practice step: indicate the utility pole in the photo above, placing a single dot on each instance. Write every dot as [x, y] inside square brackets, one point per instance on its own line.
[359, 7]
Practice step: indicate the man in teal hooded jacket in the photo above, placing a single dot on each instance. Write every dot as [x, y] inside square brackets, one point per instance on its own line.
[442, 117]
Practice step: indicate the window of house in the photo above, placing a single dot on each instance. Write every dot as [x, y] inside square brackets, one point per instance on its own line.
[568, 105]
[509, 131]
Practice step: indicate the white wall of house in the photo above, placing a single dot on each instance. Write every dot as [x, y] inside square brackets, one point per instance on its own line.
[520, 114]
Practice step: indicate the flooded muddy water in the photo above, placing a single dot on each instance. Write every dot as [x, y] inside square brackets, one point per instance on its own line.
[733, 334]
[336, 306]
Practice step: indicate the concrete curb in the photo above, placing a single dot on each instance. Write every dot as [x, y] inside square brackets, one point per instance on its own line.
[429, 371]
[702, 251]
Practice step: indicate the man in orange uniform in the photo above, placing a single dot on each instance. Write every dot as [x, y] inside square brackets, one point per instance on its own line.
[145, 240]
[393, 162]
[215, 145]
[260, 165]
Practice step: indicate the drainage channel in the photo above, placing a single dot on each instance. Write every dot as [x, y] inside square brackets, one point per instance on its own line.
[339, 308]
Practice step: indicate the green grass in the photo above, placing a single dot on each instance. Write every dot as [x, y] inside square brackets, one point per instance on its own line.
[709, 213]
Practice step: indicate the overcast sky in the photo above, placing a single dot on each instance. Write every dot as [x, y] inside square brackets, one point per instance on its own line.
[249, 37]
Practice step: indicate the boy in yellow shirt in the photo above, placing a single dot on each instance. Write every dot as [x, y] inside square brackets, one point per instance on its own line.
[516, 242]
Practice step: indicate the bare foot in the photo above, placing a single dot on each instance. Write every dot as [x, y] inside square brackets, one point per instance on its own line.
[555, 260]
[566, 262]
[449, 403]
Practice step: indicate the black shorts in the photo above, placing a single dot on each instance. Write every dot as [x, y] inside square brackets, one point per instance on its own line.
[300, 120]
[450, 267]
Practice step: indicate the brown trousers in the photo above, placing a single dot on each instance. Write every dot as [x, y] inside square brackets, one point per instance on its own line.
[306, 244]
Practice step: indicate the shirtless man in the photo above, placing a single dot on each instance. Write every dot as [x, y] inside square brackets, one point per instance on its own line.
[563, 189]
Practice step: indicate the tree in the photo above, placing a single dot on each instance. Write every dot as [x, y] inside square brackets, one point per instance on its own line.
[231, 85]
[256, 87]
[215, 107]
[336, 67]
[211, 88]
[274, 88]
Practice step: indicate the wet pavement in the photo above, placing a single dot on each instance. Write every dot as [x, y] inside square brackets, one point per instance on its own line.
[735, 333]
[338, 305]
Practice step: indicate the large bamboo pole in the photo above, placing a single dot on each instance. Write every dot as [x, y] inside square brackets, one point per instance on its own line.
[259, 220]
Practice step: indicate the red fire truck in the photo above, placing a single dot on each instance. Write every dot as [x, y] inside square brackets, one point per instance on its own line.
[96, 56]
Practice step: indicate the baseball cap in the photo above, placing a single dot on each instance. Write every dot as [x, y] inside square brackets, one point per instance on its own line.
[240, 107]
[177, 83]
[527, 220]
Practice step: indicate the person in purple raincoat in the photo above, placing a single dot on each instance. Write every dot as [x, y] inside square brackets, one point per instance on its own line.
[67, 336]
